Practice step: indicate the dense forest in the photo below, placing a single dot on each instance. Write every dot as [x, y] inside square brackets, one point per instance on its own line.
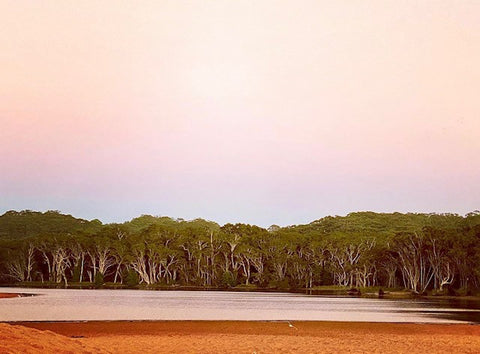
[418, 252]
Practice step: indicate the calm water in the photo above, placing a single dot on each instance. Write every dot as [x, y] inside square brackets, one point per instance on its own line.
[78, 305]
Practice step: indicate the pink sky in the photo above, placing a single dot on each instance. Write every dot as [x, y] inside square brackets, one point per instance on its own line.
[254, 111]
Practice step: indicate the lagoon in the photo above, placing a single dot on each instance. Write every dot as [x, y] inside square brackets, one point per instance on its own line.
[109, 305]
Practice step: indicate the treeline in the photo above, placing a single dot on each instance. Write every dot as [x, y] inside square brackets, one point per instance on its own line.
[418, 252]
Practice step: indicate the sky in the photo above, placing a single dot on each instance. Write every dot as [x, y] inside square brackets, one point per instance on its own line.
[262, 112]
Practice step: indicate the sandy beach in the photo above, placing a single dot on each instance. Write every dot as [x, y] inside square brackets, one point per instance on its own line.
[237, 337]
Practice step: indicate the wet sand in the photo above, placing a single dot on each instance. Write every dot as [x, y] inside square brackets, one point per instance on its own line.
[238, 337]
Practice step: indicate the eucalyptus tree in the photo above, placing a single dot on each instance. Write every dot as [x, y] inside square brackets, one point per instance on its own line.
[232, 237]
[21, 261]
[249, 251]
[99, 251]
[55, 252]
[139, 261]
[78, 253]
[194, 240]
[56, 255]
[200, 241]
[14, 262]
[121, 255]
[318, 257]
[412, 252]
[349, 258]
[389, 267]
[278, 256]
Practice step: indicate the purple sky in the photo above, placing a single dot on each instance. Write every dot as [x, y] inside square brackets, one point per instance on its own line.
[239, 111]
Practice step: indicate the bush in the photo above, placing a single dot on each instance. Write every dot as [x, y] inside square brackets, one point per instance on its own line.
[131, 279]
[280, 284]
[98, 281]
[464, 291]
[76, 274]
[228, 280]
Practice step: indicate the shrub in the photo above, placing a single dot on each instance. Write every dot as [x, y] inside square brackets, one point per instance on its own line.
[98, 281]
[131, 279]
[228, 280]
[76, 274]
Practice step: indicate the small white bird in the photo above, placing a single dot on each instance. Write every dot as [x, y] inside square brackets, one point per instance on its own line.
[291, 325]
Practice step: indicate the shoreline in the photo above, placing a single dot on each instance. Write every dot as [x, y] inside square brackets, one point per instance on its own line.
[73, 323]
[231, 326]
[239, 337]
[14, 295]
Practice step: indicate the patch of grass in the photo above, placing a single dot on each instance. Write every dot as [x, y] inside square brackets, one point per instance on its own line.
[330, 288]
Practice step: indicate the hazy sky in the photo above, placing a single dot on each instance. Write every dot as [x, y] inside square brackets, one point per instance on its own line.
[253, 111]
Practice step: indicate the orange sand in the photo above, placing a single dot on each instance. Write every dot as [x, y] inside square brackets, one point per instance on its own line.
[7, 295]
[18, 339]
[238, 337]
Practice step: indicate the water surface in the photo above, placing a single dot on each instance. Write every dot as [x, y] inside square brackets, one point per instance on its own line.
[83, 305]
